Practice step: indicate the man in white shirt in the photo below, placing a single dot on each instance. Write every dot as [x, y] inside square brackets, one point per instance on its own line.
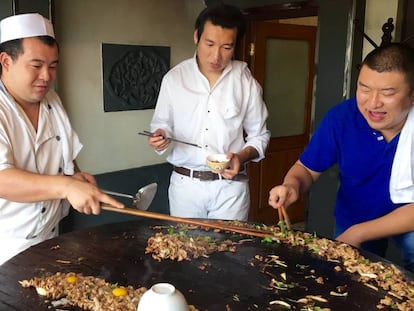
[213, 101]
[38, 146]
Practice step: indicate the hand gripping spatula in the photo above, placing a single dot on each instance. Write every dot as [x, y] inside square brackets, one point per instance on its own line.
[142, 198]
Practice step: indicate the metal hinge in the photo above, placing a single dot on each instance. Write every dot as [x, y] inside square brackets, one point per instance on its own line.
[251, 50]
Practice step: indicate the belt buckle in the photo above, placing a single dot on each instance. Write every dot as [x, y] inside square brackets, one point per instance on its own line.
[198, 174]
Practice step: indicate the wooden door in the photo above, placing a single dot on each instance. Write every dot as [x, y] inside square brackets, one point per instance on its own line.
[407, 27]
[282, 60]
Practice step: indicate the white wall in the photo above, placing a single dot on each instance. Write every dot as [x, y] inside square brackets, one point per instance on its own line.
[110, 138]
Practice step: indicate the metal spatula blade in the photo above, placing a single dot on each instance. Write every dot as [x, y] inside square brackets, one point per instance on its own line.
[145, 196]
[142, 199]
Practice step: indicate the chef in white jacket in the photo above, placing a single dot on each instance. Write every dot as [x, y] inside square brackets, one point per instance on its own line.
[39, 178]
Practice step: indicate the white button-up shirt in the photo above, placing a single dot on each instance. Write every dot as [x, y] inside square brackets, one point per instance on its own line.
[51, 150]
[216, 118]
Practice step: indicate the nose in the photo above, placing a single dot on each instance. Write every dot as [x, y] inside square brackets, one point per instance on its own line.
[216, 54]
[374, 100]
[46, 74]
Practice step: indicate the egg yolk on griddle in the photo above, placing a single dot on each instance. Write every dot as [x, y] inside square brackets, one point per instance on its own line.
[119, 291]
[71, 279]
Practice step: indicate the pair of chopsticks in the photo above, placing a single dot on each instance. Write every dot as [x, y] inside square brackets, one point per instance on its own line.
[283, 216]
[150, 134]
[190, 221]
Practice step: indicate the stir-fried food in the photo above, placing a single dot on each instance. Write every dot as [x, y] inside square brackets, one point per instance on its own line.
[182, 243]
[87, 292]
[182, 246]
[400, 292]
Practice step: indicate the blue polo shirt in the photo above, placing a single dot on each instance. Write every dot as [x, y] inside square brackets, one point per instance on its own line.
[364, 159]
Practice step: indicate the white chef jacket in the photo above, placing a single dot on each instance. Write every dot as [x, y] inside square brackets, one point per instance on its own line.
[213, 118]
[51, 151]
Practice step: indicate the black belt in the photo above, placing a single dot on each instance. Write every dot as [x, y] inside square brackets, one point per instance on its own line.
[202, 175]
[205, 175]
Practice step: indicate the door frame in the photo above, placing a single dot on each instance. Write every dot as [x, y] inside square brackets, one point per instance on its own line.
[254, 16]
[283, 151]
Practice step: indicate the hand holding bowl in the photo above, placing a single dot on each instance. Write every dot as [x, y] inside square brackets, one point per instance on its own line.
[218, 162]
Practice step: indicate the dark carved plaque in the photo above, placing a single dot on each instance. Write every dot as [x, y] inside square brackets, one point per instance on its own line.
[132, 75]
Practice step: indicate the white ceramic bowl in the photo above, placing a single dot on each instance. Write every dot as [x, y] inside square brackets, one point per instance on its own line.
[217, 162]
[162, 297]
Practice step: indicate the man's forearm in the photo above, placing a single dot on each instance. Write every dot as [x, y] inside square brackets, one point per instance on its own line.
[397, 222]
[300, 178]
[21, 186]
[247, 154]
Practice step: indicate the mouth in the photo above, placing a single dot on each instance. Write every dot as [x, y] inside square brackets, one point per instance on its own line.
[41, 88]
[215, 66]
[376, 116]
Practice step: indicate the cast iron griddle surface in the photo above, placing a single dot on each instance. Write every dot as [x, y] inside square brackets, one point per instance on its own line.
[116, 253]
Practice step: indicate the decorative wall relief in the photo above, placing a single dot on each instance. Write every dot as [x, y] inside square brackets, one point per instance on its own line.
[132, 75]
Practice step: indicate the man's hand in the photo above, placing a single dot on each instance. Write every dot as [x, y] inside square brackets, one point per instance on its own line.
[158, 140]
[85, 197]
[283, 195]
[297, 181]
[234, 166]
[237, 160]
[85, 177]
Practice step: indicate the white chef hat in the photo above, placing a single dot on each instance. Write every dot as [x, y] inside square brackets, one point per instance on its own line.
[24, 26]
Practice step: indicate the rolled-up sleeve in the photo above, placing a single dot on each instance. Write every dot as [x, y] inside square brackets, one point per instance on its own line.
[254, 124]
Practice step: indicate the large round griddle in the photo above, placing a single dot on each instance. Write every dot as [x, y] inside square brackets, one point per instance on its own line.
[229, 281]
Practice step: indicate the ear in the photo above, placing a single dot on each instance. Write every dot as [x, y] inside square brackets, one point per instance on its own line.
[195, 37]
[412, 97]
[5, 60]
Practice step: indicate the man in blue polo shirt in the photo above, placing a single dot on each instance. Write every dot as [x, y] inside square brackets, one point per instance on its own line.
[362, 136]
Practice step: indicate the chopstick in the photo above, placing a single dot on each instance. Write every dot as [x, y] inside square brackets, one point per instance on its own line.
[283, 216]
[191, 221]
[150, 134]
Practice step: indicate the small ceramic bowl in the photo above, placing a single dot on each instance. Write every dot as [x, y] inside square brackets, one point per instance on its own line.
[162, 297]
[217, 162]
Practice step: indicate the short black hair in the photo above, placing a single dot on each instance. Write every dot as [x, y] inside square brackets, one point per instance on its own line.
[224, 15]
[393, 56]
[14, 48]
